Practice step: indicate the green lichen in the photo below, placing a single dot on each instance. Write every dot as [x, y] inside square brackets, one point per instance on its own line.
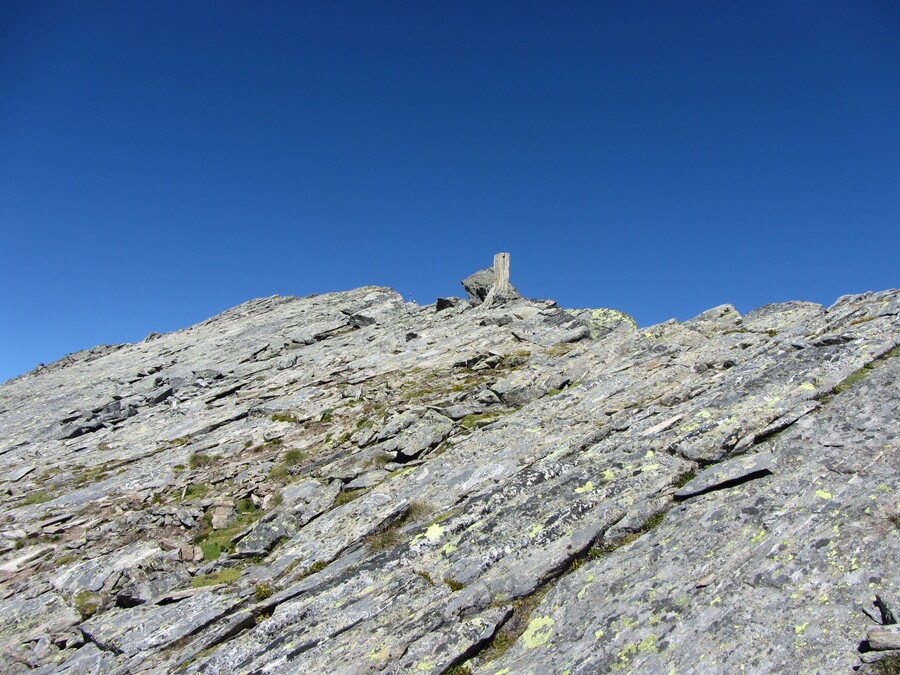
[538, 632]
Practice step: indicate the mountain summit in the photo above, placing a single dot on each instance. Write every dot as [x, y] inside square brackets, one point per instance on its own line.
[350, 483]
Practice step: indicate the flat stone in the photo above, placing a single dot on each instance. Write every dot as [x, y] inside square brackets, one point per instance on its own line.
[887, 637]
[19, 473]
[147, 628]
[729, 472]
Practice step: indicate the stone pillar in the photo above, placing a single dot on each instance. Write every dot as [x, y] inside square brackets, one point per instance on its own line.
[501, 275]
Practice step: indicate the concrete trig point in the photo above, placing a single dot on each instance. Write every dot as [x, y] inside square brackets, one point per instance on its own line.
[501, 275]
[501, 288]
[491, 285]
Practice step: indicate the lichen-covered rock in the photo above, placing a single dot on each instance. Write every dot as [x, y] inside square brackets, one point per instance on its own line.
[602, 321]
[349, 483]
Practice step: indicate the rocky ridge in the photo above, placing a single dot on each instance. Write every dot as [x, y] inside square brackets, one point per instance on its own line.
[349, 483]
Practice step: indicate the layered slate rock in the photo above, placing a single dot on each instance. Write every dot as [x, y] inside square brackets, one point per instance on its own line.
[352, 483]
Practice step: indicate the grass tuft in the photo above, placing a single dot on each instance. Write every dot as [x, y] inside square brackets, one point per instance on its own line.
[228, 576]
[199, 461]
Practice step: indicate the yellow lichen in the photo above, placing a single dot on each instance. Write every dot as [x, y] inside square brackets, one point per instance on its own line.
[538, 632]
[434, 532]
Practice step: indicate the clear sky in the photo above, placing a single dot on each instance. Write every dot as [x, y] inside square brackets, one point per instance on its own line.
[163, 161]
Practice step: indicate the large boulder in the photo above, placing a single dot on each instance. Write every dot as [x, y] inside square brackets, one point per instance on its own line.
[602, 321]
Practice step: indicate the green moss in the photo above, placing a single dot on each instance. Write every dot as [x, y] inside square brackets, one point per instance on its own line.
[228, 576]
[554, 392]
[196, 491]
[284, 417]
[184, 440]
[87, 603]
[263, 591]
[85, 476]
[478, 419]
[38, 497]
[863, 372]
[214, 543]
[279, 472]
[684, 478]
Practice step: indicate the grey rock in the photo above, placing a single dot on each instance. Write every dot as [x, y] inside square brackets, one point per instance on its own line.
[520, 388]
[884, 638]
[729, 473]
[603, 321]
[145, 629]
[555, 521]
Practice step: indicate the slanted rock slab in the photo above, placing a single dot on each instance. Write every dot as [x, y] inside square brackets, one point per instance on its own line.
[728, 473]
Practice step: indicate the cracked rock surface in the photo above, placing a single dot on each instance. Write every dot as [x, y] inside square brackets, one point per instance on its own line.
[348, 483]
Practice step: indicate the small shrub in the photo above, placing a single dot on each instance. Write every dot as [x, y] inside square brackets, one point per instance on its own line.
[887, 666]
[312, 569]
[245, 505]
[347, 496]
[284, 417]
[426, 576]
[683, 479]
[417, 511]
[378, 461]
[263, 591]
[454, 584]
[383, 541]
[199, 461]
[279, 472]
[292, 457]
[460, 670]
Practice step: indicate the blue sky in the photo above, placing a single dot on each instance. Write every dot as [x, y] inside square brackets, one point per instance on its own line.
[161, 161]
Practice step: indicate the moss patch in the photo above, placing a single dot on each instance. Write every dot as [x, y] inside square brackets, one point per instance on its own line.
[228, 576]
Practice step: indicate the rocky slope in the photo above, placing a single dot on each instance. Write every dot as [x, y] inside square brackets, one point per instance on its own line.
[348, 483]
